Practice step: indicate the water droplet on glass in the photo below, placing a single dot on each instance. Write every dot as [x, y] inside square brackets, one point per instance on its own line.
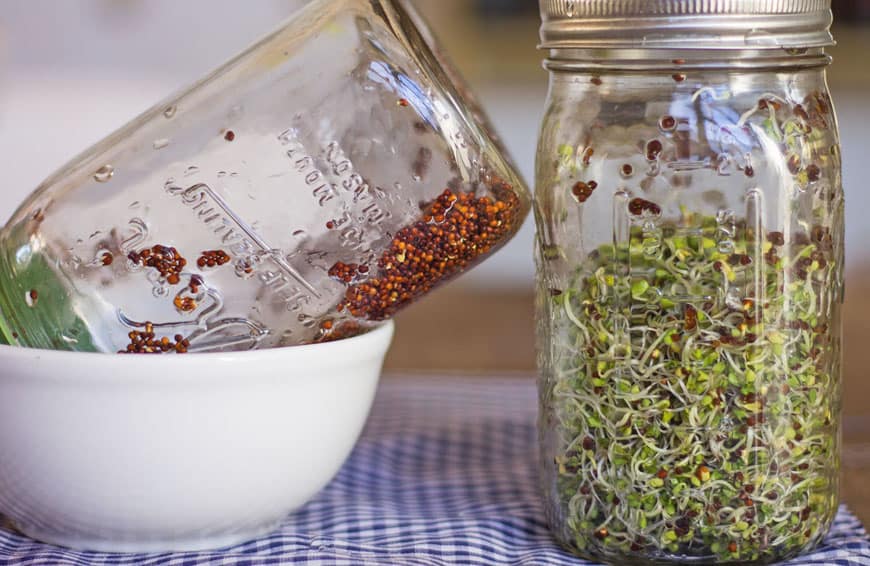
[135, 204]
[654, 149]
[244, 268]
[68, 339]
[104, 258]
[221, 174]
[192, 170]
[724, 162]
[758, 37]
[652, 238]
[667, 123]
[169, 112]
[160, 144]
[104, 173]
[733, 299]
[570, 7]
[417, 178]
[23, 254]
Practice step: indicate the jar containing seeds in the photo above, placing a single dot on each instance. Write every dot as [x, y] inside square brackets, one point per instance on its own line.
[305, 191]
[690, 280]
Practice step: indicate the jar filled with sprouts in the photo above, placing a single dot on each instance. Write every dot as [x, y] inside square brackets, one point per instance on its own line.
[690, 280]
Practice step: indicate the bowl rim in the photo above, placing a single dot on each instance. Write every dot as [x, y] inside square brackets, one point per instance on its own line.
[338, 350]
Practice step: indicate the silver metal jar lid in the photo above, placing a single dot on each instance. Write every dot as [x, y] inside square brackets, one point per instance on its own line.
[685, 24]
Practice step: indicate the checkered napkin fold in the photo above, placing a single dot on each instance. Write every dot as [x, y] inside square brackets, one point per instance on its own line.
[445, 474]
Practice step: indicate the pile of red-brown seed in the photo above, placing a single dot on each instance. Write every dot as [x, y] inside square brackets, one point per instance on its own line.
[212, 258]
[185, 304]
[454, 232]
[638, 206]
[348, 272]
[170, 264]
[146, 342]
[330, 331]
[164, 259]
[582, 191]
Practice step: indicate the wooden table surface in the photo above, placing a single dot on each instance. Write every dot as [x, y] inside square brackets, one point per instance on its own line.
[855, 477]
[464, 330]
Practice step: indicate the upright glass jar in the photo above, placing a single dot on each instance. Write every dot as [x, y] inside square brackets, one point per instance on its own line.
[690, 279]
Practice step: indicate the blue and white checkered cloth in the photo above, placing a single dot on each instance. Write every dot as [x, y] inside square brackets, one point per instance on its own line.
[445, 474]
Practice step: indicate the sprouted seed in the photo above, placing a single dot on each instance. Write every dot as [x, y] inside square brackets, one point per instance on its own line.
[688, 423]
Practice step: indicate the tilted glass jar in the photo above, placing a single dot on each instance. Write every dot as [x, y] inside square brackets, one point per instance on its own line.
[690, 280]
[308, 189]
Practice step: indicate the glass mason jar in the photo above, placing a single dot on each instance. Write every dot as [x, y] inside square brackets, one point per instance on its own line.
[313, 186]
[690, 278]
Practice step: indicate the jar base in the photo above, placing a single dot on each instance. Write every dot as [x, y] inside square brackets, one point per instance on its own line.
[670, 560]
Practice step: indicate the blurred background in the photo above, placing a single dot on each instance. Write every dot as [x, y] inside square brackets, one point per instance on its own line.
[71, 72]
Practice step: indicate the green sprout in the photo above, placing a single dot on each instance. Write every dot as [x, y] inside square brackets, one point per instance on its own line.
[694, 395]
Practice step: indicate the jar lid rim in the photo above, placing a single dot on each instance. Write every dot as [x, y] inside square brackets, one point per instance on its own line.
[686, 24]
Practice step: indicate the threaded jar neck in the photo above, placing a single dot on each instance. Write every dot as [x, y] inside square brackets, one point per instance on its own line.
[614, 33]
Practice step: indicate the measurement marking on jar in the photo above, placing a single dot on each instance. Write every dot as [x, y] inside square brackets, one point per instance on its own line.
[754, 245]
[621, 272]
[685, 165]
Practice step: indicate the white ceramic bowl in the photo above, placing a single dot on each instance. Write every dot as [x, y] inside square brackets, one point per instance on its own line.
[160, 453]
